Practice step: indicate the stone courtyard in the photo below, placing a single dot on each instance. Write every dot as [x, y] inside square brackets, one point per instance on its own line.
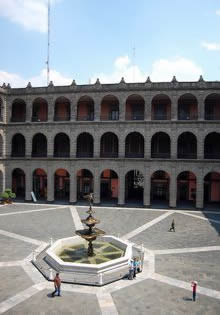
[191, 253]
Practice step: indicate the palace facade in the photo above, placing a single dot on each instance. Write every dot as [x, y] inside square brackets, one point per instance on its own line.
[141, 143]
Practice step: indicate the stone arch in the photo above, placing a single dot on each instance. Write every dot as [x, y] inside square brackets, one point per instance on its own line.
[212, 106]
[212, 188]
[161, 107]
[109, 108]
[18, 183]
[160, 145]
[85, 183]
[85, 108]
[212, 146]
[109, 185]
[186, 189]
[85, 145]
[187, 107]
[18, 145]
[18, 112]
[134, 186]
[40, 109]
[134, 145]
[39, 145]
[61, 184]
[62, 109]
[134, 107]
[109, 145]
[61, 145]
[187, 146]
[160, 188]
[40, 183]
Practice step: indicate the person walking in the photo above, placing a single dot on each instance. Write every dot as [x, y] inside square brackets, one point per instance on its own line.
[135, 267]
[194, 287]
[172, 228]
[57, 285]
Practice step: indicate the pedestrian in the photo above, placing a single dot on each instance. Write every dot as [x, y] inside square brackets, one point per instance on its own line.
[194, 287]
[138, 265]
[135, 267]
[57, 285]
[172, 228]
[131, 270]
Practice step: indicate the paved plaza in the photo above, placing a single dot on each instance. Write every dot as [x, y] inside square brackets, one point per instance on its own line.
[191, 253]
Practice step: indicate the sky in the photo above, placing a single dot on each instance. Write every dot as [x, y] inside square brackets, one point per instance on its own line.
[109, 40]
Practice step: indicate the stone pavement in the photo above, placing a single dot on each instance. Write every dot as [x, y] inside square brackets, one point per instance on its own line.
[164, 286]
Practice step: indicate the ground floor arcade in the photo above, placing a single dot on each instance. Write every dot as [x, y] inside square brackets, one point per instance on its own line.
[168, 185]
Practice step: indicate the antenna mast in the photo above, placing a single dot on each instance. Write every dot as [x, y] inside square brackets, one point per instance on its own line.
[134, 55]
[48, 43]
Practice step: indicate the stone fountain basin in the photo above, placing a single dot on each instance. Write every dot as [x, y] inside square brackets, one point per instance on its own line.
[97, 274]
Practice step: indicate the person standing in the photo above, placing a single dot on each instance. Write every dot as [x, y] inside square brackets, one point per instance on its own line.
[135, 267]
[57, 285]
[194, 287]
[131, 270]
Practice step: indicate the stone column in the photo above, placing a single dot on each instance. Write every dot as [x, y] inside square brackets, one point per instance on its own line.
[199, 191]
[147, 144]
[50, 185]
[173, 188]
[97, 108]
[174, 107]
[50, 144]
[7, 145]
[73, 187]
[201, 107]
[121, 195]
[51, 104]
[73, 108]
[121, 149]
[96, 187]
[147, 188]
[122, 105]
[173, 146]
[96, 146]
[73, 144]
[28, 145]
[28, 184]
[8, 178]
[148, 98]
[28, 109]
[200, 147]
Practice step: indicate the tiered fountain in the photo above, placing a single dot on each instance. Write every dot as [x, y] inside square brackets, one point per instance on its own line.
[100, 262]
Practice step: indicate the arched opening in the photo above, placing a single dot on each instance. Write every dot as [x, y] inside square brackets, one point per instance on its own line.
[84, 183]
[212, 107]
[1, 110]
[109, 108]
[109, 186]
[40, 183]
[212, 146]
[134, 107]
[134, 145]
[212, 189]
[187, 107]
[18, 183]
[160, 146]
[160, 190]
[1, 146]
[1, 182]
[187, 146]
[18, 113]
[40, 110]
[61, 145]
[61, 184]
[109, 145]
[62, 109]
[85, 108]
[18, 145]
[134, 186]
[84, 145]
[39, 145]
[186, 189]
[161, 107]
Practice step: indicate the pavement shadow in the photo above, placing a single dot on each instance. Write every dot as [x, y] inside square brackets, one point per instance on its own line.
[49, 295]
[186, 298]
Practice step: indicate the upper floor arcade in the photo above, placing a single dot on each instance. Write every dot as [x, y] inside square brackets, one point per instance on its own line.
[127, 106]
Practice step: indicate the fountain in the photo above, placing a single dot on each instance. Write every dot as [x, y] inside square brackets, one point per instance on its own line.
[91, 233]
[82, 259]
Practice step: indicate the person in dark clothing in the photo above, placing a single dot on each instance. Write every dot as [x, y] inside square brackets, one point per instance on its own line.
[172, 228]
[57, 285]
[194, 287]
